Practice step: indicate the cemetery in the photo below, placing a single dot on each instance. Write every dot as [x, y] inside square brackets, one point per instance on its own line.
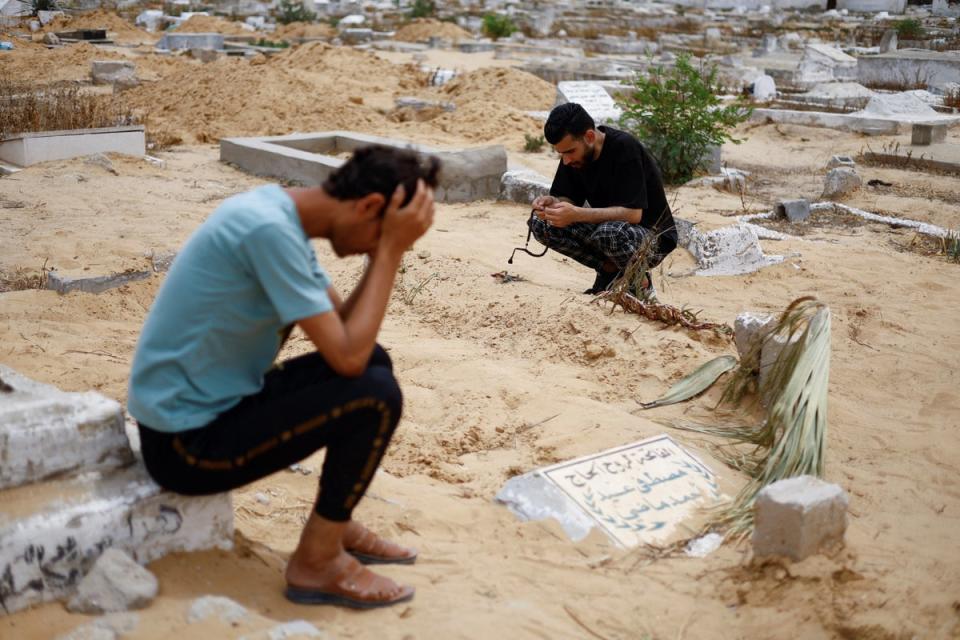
[765, 448]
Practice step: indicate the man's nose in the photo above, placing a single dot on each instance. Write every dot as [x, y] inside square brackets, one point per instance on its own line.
[566, 160]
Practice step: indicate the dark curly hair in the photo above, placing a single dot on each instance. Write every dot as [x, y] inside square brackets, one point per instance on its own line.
[567, 118]
[380, 169]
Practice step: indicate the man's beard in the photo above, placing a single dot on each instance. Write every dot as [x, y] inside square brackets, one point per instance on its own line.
[588, 158]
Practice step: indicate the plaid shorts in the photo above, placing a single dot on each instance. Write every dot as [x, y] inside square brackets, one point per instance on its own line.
[594, 244]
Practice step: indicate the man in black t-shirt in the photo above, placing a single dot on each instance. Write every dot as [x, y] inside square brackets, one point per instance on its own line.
[606, 200]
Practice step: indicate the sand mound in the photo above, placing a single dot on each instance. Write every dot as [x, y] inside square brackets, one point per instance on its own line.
[304, 30]
[486, 122]
[349, 67]
[45, 66]
[116, 27]
[502, 86]
[897, 104]
[233, 98]
[213, 24]
[423, 28]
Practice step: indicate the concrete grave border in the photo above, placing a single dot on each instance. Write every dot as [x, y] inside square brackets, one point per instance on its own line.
[25, 149]
[466, 175]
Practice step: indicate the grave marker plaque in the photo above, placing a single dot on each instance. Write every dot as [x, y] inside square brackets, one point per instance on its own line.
[592, 97]
[638, 493]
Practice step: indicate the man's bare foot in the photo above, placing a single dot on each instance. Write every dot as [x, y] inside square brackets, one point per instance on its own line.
[341, 580]
[369, 548]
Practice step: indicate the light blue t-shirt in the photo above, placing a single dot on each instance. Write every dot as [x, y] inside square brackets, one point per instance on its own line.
[219, 319]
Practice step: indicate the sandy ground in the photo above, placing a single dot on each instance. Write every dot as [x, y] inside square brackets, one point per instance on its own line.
[483, 364]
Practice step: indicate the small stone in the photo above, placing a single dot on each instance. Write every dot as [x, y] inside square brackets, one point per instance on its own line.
[101, 160]
[51, 38]
[423, 255]
[91, 631]
[115, 583]
[840, 182]
[841, 161]
[294, 628]
[262, 498]
[749, 328]
[798, 517]
[225, 609]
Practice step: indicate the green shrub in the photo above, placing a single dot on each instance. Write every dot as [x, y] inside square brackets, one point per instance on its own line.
[423, 9]
[294, 11]
[909, 29]
[533, 144]
[677, 114]
[498, 26]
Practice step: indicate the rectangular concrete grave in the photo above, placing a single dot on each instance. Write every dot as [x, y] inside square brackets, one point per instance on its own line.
[26, 149]
[639, 493]
[308, 158]
[592, 97]
[178, 41]
[935, 68]
[51, 533]
[46, 432]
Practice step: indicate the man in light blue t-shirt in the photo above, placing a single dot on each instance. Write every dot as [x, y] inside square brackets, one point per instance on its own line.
[216, 413]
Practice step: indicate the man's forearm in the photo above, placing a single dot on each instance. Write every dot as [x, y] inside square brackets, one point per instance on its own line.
[608, 214]
[351, 302]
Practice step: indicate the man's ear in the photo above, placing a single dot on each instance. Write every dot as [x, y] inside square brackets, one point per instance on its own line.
[370, 205]
[590, 136]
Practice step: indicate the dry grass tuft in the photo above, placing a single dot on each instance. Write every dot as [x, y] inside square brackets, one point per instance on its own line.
[25, 109]
[21, 279]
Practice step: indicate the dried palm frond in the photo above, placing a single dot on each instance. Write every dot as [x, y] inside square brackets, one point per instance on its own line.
[695, 383]
[791, 440]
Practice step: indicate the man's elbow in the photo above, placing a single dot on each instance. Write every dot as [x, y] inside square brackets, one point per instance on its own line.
[349, 367]
[634, 216]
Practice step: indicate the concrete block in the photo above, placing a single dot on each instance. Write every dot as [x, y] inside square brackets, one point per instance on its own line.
[798, 517]
[95, 284]
[925, 134]
[764, 88]
[840, 182]
[115, 583]
[773, 346]
[712, 160]
[793, 210]
[749, 328]
[51, 533]
[888, 42]
[841, 161]
[46, 432]
[523, 186]
[120, 73]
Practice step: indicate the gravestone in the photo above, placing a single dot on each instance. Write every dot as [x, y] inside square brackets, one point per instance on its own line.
[764, 88]
[592, 97]
[637, 494]
[888, 42]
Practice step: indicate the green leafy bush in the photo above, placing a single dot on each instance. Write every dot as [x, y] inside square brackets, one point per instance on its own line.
[677, 114]
[498, 26]
[533, 144]
[909, 29]
[294, 11]
[423, 9]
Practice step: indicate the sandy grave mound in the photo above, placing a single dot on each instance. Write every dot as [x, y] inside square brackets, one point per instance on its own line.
[502, 86]
[423, 28]
[45, 66]
[304, 30]
[232, 98]
[213, 24]
[117, 28]
[482, 122]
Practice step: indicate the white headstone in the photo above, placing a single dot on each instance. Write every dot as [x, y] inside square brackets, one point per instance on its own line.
[592, 97]
[764, 88]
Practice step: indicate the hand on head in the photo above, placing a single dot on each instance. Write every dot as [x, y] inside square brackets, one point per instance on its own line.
[402, 226]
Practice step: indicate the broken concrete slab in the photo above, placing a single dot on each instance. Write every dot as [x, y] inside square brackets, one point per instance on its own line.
[51, 533]
[793, 210]
[922, 227]
[47, 432]
[466, 175]
[798, 517]
[823, 63]
[523, 186]
[749, 329]
[27, 149]
[888, 42]
[93, 284]
[926, 134]
[114, 583]
[841, 161]
[728, 251]
[936, 68]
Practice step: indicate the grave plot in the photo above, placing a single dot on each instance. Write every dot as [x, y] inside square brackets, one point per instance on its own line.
[466, 174]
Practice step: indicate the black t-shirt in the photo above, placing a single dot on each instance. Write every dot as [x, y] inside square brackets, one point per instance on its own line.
[625, 175]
